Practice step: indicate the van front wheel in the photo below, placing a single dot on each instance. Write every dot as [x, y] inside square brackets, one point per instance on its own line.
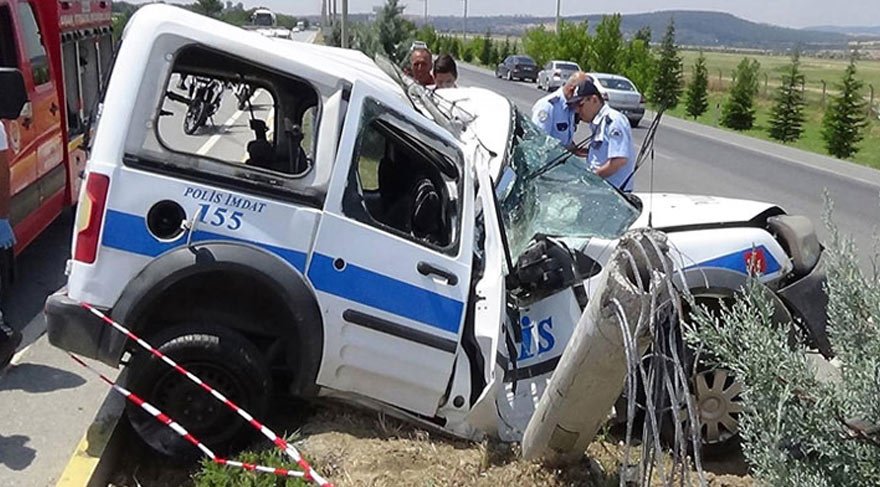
[220, 357]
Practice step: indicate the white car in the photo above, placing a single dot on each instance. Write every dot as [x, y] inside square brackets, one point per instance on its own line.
[361, 250]
[622, 95]
[555, 74]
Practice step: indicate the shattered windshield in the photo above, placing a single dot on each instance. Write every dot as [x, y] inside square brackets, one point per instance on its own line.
[564, 200]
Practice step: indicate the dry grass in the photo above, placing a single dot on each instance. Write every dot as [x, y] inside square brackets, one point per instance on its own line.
[360, 448]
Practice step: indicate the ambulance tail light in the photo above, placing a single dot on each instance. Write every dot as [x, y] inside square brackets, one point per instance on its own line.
[89, 218]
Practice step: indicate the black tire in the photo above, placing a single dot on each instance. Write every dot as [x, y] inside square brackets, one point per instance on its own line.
[634, 122]
[509, 76]
[196, 116]
[223, 359]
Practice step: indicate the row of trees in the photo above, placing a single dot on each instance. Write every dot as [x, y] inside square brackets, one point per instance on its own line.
[604, 51]
[843, 123]
[483, 50]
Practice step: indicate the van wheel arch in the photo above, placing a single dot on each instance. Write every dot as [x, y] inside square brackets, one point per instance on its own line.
[270, 302]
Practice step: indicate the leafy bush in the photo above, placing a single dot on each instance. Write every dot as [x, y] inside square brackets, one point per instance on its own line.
[798, 430]
[214, 475]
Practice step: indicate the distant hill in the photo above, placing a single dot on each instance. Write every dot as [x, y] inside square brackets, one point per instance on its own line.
[694, 28]
[849, 30]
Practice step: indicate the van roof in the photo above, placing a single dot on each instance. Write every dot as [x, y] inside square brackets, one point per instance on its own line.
[322, 65]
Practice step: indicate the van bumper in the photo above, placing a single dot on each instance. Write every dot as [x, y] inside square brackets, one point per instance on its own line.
[74, 329]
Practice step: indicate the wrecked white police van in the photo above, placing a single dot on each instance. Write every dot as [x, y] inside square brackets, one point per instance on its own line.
[429, 255]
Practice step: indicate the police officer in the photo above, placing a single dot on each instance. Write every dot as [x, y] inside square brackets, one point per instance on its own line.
[611, 154]
[553, 114]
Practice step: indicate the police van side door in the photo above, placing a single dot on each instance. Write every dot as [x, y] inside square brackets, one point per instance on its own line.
[393, 302]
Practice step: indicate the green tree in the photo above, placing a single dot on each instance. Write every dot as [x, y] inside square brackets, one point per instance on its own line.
[486, 49]
[787, 116]
[738, 112]
[467, 52]
[428, 35]
[606, 45]
[494, 52]
[572, 43]
[697, 97]
[211, 8]
[539, 43]
[845, 120]
[119, 21]
[638, 63]
[644, 33]
[394, 32]
[667, 84]
[455, 47]
[505, 50]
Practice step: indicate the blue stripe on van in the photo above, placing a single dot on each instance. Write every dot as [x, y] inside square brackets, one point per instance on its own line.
[736, 261]
[388, 294]
[126, 232]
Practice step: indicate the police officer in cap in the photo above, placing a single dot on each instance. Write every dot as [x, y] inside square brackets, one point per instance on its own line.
[611, 154]
[553, 114]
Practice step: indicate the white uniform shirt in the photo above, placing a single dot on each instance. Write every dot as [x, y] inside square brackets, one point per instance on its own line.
[553, 115]
[612, 137]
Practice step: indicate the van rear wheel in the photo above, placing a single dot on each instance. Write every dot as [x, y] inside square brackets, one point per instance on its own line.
[220, 357]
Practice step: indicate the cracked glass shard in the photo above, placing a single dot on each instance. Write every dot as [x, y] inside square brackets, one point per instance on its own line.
[544, 194]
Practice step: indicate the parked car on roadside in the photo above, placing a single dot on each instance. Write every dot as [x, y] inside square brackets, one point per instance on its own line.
[623, 96]
[517, 67]
[384, 247]
[555, 74]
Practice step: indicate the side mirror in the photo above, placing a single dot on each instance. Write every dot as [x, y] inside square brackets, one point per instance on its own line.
[14, 93]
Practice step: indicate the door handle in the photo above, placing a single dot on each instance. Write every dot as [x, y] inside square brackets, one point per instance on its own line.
[427, 269]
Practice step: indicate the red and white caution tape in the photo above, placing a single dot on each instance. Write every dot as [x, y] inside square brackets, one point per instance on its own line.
[180, 430]
[308, 472]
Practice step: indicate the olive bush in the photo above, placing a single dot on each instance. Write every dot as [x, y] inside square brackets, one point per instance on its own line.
[797, 429]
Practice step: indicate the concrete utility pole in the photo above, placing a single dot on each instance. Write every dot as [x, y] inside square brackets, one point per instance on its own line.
[426, 12]
[344, 24]
[464, 31]
[558, 16]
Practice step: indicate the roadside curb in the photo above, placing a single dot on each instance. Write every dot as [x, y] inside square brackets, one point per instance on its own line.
[92, 460]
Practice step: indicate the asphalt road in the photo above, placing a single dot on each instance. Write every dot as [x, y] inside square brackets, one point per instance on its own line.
[695, 159]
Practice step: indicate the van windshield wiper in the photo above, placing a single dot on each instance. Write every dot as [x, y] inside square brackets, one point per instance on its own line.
[558, 160]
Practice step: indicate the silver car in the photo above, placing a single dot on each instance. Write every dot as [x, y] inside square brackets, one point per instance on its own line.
[622, 95]
[555, 73]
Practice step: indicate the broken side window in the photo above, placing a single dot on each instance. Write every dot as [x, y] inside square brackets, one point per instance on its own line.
[229, 116]
[405, 180]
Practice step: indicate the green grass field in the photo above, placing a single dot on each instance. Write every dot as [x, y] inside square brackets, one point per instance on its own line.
[811, 140]
[814, 69]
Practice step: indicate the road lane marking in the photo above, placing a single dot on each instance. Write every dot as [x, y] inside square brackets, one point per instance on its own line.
[207, 146]
[228, 124]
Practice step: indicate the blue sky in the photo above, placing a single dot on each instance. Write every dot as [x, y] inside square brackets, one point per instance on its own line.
[791, 13]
